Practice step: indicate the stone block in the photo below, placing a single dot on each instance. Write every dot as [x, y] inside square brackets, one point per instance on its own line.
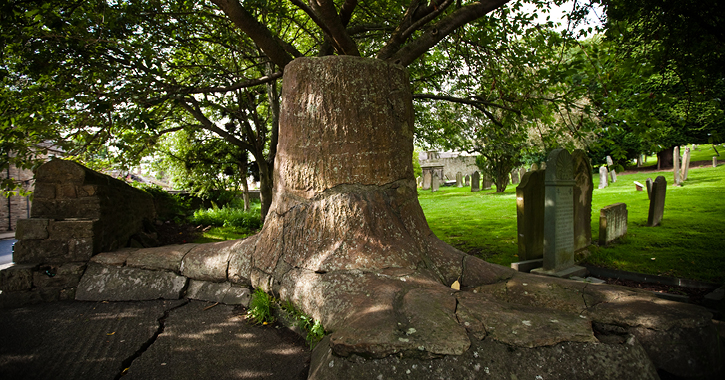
[101, 283]
[240, 261]
[115, 258]
[74, 229]
[160, 258]
[17, 277]
[44, 191]
[32, 229]
[223, 292]
[208, 262]
[530, 216]
[87, 190]
[59, 276]
[19, 298]
[528, 265]
[40, 251]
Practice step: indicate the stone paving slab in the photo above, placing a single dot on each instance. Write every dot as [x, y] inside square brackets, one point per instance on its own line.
[75, 340]
[217, 343]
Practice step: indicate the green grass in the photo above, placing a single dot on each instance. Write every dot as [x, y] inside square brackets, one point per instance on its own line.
[704, 152]
[690, 242]
[215, 234]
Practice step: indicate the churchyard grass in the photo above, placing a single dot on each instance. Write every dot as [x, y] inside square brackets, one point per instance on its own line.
[704, 152]
[689, 243]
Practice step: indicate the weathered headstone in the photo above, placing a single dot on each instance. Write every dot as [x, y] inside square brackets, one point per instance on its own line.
[648, 182]
[685, 164]
[468, 180]
[610, 162]
[534, 166]
[522, 171]
[714, 161]
[476, 182]
[613, 175]
[515, 176]
[459, 179]
[603, 177]
[657, 201]
[419, 181]
[542, 165]
[638, 186]
[612, 223]
[583, 189]
[427, 179]
[530, 215]
[559, 212]
[640, 159]
[487, 183]
[676, 164]
[435, 182]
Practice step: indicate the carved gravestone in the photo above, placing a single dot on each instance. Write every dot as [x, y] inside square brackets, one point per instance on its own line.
[583, 189]
[559, 211]
[610, 162]
[657, 202]
[603, 177]
[612, 223]
[459, 179]
[515, 176]
[685, 164]
[530, 215]
[613, 175]
[476, 182]
[676, 164]
[427, 179]
[487, 182]
[435, 182]
[648, 182]
[468, 180]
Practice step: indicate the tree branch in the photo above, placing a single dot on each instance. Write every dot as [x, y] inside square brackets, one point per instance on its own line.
[471, 102]
[239, 85]
[461, 16]
[259, 33]
[333, 26]
[194, 110]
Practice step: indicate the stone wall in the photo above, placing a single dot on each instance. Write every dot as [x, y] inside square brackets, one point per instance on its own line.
[77, 213]
[452, 165]
[17, 206]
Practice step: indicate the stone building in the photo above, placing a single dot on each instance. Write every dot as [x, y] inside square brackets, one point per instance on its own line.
[447, 164]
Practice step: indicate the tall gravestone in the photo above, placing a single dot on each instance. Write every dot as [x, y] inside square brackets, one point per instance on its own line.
[515, 176]
[676, 164]
[530, 215]
[657, 202]
[686, 164]
[435, 182]
[459, 179]
[427, 179]
[583, 189]
[613, 175]
[468, 180]
[714, 161]
[487, 182]
[419, 181]
[603, 177]
[610, 162]
[648, 182]
[475, 182]
[559, 212]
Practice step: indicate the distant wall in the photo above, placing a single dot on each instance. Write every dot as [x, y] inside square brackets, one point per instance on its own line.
[452, 165]
[17, 206]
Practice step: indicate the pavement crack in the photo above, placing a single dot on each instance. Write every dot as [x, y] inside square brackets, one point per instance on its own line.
[126, 363]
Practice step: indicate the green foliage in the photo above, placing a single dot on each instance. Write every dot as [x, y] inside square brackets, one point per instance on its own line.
[417, 171]
[229, 216]
[168, 206]
[315, 331]
[260, 309]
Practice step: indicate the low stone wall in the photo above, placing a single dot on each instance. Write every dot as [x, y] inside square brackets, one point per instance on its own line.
[466, 165]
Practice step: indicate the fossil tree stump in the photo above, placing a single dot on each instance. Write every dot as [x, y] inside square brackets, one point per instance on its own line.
[346, 240]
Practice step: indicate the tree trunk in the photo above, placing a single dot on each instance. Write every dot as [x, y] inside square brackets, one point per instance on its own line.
[245, 186]
[265, 187]
[346, 241]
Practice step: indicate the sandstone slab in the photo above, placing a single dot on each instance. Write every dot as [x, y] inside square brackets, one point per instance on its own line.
[101, 283]
[222, 292]
[160, 258]
[208, 262]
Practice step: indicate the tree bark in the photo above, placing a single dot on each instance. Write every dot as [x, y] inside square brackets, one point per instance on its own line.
[664, 158]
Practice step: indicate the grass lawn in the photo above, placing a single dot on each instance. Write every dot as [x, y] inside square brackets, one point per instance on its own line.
[702, 153]
[690, 242]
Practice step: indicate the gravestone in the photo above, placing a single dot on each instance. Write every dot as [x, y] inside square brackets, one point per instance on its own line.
[685, 164]
[559, 212]
[522, 171]
[714, 161]
[435, 182]
[459, 179]
[419, 181]
[610, 162]
[427, 179]
[515, 176]
[638, 185]
[657, 201]
[542, 165]
[640, 160]
[612, 223]
[530, 215]
[583, 189]
[487, 182]
[648, 182]
[475, 182]
[603, 177]
[468, 180]
[676, 164]
[613, 175]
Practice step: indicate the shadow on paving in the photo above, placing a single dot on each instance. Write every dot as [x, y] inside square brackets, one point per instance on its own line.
[160, 340]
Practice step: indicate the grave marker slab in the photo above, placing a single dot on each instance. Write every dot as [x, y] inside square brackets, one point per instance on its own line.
[649, 187]
[657, 202]
[515, 176]
[468, 180]
[613, 175]
[676, 164]
[435, 183]
[534, 166]
[685, 164]
[559, 211]
[427, 179]
[530, 216]
[612, 223]
[583, 189]
[603, 177]
[714, 161]
[459, 179]
[487, 183]
[610, 162]
[475, 182]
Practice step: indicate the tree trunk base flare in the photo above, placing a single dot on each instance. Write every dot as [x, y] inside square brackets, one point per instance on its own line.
[346, 241]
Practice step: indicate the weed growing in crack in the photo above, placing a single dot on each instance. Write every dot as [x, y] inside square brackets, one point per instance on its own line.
[315, 331]
[260, 307]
